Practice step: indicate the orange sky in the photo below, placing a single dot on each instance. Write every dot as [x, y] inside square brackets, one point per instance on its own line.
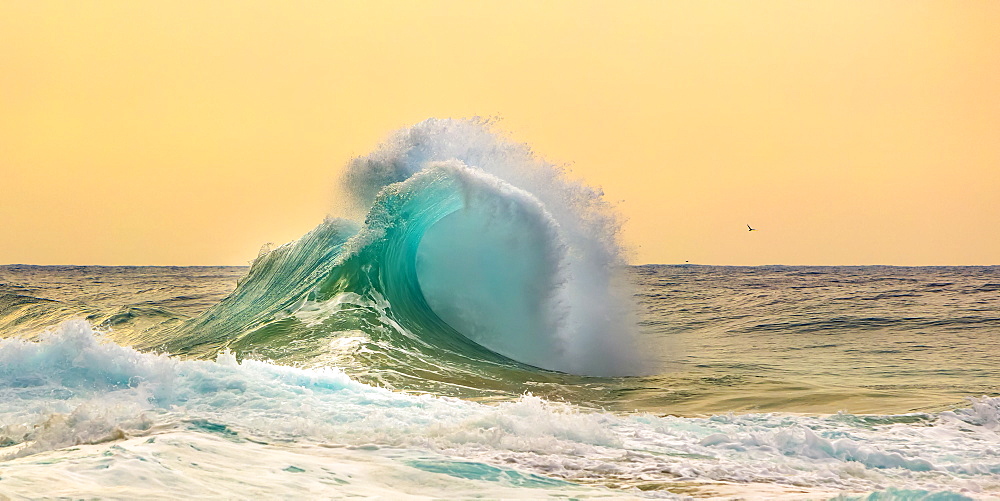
[193, 132]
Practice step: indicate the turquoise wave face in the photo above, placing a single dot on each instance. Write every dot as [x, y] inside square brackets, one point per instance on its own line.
[456, 278]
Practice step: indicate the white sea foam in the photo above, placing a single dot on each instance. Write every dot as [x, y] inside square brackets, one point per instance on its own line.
[70, 398]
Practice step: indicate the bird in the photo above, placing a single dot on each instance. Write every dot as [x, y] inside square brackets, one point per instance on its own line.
[751, 229]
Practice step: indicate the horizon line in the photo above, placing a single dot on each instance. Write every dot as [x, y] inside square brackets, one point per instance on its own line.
[248, 265]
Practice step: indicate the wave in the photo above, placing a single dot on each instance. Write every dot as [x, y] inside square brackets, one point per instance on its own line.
[472, 257]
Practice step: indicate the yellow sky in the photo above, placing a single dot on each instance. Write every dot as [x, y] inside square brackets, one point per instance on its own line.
[192, 132]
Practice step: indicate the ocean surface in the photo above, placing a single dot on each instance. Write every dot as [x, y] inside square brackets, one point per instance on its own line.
[470, 330]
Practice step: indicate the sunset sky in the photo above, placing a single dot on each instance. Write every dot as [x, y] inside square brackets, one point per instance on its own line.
[193, 132]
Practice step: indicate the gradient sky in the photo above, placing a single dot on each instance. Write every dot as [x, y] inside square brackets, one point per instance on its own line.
[193, 132]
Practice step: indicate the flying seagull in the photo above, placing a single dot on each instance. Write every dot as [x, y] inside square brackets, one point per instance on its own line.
[751, 229]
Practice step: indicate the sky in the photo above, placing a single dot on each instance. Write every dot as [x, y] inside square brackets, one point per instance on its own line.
[193, 132]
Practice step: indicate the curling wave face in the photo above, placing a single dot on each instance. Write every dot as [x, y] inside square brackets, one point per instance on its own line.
[473, 257]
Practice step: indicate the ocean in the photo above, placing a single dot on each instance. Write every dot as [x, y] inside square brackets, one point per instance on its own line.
[471, 330]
